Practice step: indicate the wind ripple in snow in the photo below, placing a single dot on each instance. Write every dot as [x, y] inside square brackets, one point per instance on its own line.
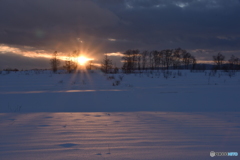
[128, 135]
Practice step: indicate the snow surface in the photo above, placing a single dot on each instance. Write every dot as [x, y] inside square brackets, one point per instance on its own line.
[182, 115]
[36, 91]
[118, 135]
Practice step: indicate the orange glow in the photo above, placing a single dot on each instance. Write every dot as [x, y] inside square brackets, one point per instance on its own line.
[83, 60]
[31, 52]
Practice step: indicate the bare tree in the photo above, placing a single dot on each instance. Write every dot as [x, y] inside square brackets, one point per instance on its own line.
[167, 57]
[218, 60]
[193, 62]
[139, 58]
[151, 59]
[130, 60]
[177, 53]
[70, 66]
[135, 54]
[144, 59]
[70, 63]
[157, 59]
[54, 62]
[106, 65]
[186, 59]
[234, 62]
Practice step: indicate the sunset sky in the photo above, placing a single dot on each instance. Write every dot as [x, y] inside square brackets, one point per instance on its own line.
[31, 30]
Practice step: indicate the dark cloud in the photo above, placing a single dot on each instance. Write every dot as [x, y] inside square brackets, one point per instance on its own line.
[28, 14]
[49, 22]
[143, 24]
[189, 24]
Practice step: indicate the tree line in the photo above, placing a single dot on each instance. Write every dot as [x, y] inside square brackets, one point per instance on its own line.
[155, 60]
[221, 64]
[133, 60]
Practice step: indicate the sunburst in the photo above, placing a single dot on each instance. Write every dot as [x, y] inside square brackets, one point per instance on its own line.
[83, 60]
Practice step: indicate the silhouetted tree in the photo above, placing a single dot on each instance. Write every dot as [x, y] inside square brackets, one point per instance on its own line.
[234, 62]
[177, 55]
[139, 58]
[70, 63]
[54, 62]
[186, 59]
[175, 58]
[135, 54]
[70, 66]
[106, 65]
[130, 60]
[167, 57]
[151, 60]
[218, 60]
[193, 62]
[144, 55]
[157, 59]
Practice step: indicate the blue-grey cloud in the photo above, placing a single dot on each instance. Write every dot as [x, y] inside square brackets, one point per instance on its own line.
[206, 25]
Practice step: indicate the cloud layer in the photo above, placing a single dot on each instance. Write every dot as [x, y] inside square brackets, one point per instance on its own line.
[107, 26]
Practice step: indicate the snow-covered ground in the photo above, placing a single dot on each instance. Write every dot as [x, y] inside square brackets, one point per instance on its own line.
[94, 92]
[180, 115]
[118, 135]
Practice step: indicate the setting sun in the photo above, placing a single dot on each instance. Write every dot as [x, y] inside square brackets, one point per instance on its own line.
[82, 60]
